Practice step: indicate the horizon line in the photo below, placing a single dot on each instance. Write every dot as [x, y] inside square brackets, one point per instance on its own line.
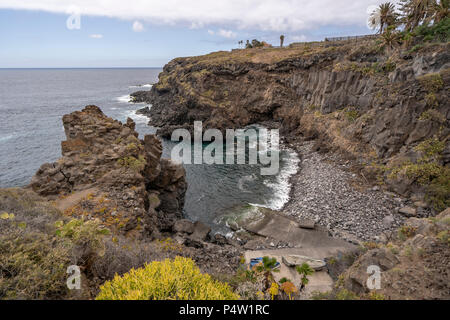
[37, 68]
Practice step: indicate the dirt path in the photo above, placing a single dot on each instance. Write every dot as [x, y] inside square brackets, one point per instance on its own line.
[73, 199]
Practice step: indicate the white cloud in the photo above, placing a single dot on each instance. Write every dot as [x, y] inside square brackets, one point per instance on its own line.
[96, 36]
[138, 26]
[211, 32]
[227, 34]
[197, 25]
[270, 15]
[296, 38]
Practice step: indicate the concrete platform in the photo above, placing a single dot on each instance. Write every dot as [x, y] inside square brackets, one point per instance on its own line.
[307, 242]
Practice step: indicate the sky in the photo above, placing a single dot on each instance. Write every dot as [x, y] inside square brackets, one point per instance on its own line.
[149, 33]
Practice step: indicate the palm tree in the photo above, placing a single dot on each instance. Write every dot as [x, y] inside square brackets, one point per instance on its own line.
[281, 41]
[416, 12]
[304, 270]
[390, 38]
[383, 17]
[440, 10]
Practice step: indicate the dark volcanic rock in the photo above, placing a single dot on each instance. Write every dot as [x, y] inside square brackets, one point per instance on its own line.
[353, 97]
[184, 226]
[201, 231]
[132, 187]
[144, 111]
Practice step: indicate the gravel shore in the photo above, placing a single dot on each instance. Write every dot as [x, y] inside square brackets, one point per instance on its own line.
[326, 191]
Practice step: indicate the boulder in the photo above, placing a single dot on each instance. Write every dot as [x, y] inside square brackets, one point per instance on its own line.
[297, 260]
[306, 224]
[388, 221]
[201, 231]
[183, 226]
[220, 239]
[408, 211]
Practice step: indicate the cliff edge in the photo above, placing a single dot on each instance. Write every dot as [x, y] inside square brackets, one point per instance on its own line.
[385, 108]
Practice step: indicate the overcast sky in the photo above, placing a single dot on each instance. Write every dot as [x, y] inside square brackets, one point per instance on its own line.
[149, 33]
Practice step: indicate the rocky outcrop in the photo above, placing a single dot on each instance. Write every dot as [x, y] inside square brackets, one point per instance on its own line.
[413, 265]
[372, 105]
[124, 181]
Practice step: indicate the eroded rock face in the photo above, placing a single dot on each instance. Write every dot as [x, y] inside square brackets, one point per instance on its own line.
[414, 265]
[133, 189]
[355, 98]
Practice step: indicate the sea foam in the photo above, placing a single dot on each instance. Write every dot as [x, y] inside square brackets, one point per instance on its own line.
[282, 185]
[124, 99]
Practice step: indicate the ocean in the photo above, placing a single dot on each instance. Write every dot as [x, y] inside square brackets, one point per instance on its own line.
[33, 101]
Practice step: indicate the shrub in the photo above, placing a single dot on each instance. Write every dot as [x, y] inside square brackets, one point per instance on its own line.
[439, 31]
[32, 266]
[169, 279]
[428, 172]
[431, 148]
[345, 294]
[273, 290]
[351, 114]
[289, 288]
[132, 163]
[432, 82]
[373, 295]
[433, 115]
[83, 233]
[406, 232]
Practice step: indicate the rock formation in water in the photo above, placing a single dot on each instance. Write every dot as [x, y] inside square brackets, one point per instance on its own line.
[390, 110]
[124, 181]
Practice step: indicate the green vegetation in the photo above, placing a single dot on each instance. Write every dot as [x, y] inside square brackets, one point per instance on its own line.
[178, 279]
[406, 232]
[432, 83]
[345, 294]
[267, 265]
[423, 20]
[438, 32]
[373, 295]
[433, 115]
[132, 163]
[341, 294]
[37, 245]
[132, 147]
[351, 114]
[428, 172]
[304, 270]
[415, 13]
[444, 237]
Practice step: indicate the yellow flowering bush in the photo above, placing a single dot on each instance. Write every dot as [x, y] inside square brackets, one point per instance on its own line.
[178, 279]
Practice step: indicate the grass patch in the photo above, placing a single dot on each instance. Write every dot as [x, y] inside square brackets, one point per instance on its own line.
[132, 163]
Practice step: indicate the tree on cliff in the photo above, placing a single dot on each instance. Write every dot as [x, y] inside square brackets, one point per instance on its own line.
[281, 41]
[383, 17]
[416, 12]
[440, 10]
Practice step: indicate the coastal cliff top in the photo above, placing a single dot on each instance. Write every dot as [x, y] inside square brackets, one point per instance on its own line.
[354, 50]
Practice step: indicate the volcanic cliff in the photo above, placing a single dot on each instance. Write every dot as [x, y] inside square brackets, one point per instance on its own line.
[123, 180]
[386, 108]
